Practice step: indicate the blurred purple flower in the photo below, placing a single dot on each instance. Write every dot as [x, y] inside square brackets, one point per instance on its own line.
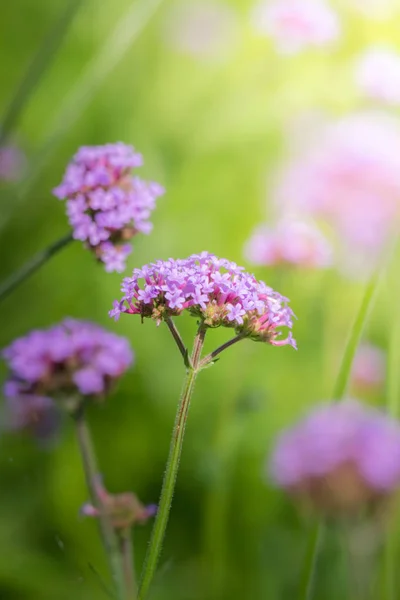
[213, 289]
[106, 205]
[349, 176]
[297, 24]
[203, 29]
[65, 362]
[124, 510]
[342, 458]
[289, 242]
[12, 163]
[377, 74]
[369, 367]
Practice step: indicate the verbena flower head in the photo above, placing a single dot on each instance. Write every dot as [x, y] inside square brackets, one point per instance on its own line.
[369, 367]
[290, 242]
[297, 24]
[342, 458]
[215, 290]
[350, 177]
[377, 75]
[106, 205]
[124, 510]
[66, 362]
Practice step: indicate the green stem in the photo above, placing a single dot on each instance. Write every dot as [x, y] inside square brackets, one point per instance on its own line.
[126, 551]
[167, 491]
[109, 538]
[339, 391]
[210, 357]
[31, 266]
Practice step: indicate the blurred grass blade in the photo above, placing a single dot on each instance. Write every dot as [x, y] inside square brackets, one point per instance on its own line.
[339, 392]
[393, 394]
[310, 563]
[99, 68]
[343, 377]
[36, 69]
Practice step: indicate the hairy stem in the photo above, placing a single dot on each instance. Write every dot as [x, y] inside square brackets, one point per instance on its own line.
[210, 357]
[126, 550]
[32, 266]
[109, 538]
[167, 491]
[177, 337]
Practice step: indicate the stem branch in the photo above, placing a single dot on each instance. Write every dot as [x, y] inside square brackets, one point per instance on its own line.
[210, 357]
[177, 337]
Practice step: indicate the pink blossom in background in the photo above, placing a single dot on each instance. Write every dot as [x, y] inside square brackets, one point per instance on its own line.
[202, 29]
[342, 458]
[377, 75]
[289, 242]
[12, 163]
[297, 24]
[349, 176]
[369, 367]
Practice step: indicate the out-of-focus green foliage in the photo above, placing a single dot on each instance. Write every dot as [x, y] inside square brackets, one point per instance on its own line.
[211, 131]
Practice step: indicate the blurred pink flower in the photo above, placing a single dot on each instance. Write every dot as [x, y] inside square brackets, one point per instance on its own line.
[377, 74]
[349, 176]
[297, 24]
[203, 29]
[289, 242]
[343, 458]
[369, 367]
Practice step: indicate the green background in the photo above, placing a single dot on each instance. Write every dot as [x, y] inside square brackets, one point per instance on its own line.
[211, 131]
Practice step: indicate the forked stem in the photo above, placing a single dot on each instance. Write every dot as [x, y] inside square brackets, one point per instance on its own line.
[167, 491]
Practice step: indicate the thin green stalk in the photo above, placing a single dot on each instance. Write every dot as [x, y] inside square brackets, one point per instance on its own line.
[167, 491]
[339, 391]
[108, 535]
[32, 266]
[393, 396]
[126, 551]
[40, 62]
[210, 357]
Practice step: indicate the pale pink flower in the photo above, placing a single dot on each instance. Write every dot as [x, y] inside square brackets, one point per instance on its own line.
[349, 176]
[289, 242]
[297, 24]
[377, 74]
[369, 367]
[202, 29]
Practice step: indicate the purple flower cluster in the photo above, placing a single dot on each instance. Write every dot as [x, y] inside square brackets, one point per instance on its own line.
[213, 289]
[72, 359]
[341, 458]
[106, 205]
